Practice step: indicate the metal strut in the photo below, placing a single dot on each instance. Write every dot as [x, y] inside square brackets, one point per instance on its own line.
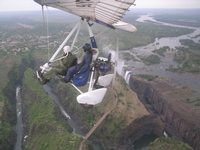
[76, 27]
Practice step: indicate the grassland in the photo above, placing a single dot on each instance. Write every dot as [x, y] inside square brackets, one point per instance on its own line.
[168, 143]
[188, 100]
[148, 77]
[151, 59]
[46, 129]
[161, 51]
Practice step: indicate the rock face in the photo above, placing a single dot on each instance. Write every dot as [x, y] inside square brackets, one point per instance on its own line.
[163, 100]
[149, 124]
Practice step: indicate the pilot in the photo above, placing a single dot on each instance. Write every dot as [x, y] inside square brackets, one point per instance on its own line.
[81, 67]
[62, 67]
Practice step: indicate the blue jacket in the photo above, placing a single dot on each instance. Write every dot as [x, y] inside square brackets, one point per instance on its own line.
[85, 64]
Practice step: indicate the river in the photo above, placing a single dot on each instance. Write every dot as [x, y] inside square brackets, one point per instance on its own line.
[141, 144]
[138, 67]
[19, 125]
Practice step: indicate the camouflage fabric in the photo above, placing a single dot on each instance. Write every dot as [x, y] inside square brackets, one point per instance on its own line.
[62, 67]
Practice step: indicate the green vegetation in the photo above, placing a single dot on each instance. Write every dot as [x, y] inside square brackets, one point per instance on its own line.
[161, 51]
[27, 60]
[193, 100]
[14, 74]
[168, 144]
[110, 129]
[7, 135]
[46, 129]
[147, 77]
[127, 56]
[191, 61]
[10, 77]
[8, 65]
[151, 59]
[180, 55]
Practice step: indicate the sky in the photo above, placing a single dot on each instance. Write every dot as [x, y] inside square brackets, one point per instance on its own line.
[24, 5]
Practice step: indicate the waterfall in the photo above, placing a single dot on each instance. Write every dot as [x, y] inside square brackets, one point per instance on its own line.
[127, 76]
[120, 65]
[165, 134]
[122, 72]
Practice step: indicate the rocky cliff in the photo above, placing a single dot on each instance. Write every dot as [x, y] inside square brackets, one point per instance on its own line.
[13, 69]
[149, 124]
[7, 108]
[163, 99]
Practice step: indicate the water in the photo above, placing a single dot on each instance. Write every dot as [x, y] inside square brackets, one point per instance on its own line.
[127, 76]
[138, 67]
[19, 125]
[143, 143]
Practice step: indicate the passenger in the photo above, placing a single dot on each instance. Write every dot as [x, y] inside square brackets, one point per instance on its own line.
[81, 67]
[61, 68]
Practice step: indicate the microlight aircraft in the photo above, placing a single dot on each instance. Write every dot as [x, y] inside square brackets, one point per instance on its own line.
[104, 12]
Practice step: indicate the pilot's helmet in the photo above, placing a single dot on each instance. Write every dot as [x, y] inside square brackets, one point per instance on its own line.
[66, 49]
[86, 47]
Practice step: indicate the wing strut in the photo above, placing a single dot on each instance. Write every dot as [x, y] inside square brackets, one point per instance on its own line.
[76, 27]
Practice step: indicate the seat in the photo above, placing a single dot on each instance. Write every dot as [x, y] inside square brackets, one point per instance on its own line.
[82, 78]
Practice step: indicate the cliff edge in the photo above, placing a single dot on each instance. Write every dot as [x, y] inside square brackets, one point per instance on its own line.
[164, 99]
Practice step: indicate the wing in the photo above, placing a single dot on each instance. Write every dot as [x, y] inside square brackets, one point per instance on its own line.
[106, 12]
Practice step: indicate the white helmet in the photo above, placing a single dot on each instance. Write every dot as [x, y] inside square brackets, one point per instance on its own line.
[66, 49]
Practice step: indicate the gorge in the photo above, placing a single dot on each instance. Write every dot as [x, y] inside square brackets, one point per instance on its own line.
[162, 106]
[163, 100]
